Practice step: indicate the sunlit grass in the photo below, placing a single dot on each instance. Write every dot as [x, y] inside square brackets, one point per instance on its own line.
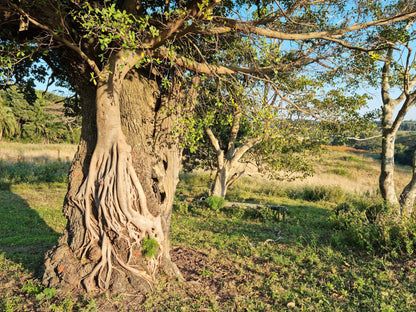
[14, 151]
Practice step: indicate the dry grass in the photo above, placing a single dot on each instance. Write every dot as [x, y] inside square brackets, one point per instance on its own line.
[13, 151]
[361, 172]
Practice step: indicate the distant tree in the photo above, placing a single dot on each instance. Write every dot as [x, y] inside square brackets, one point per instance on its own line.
[8, 123]
[36, 122]
[271, 130]
[23, 111]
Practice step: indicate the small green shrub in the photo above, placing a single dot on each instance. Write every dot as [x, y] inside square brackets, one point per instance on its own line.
[150, 247]
[32, 288]
[215, 202]
[46, 294]
[370, 224]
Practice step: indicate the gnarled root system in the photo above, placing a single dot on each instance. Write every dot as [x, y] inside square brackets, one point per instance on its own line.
[116, 218]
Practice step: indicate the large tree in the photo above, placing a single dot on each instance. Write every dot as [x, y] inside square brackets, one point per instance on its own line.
[133, 64]
[392, 70]
[404, 78]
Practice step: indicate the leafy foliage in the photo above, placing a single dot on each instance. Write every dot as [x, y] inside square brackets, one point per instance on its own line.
[371, 225]
[215, 202]
[150, 247]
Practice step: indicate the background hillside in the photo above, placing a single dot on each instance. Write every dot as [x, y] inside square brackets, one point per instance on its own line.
[404, 148]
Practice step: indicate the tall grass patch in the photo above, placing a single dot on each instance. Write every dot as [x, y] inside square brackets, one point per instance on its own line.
[333, 194]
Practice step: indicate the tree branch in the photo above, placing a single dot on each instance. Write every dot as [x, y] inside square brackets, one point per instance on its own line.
[241, 150]
[174, 26]
[409, 102]
[213, 139]
[233, 134]
[67, 43]
[364, 139]
[249, 27]
[205, 68]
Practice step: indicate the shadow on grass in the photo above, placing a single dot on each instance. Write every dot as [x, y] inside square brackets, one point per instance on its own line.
[24, 235]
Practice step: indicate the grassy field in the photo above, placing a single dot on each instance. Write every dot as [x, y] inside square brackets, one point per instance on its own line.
[233, 259]
[14, 151]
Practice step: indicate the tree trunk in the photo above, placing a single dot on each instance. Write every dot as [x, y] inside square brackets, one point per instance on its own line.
[386, 180]
[408, 195]
[225, 176]
[121, 187]
[219, 188]
[227, 170]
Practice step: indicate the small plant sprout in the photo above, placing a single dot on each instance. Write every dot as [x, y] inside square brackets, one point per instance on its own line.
[150, 247]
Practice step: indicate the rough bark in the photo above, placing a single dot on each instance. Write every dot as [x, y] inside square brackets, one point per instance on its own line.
[390, 126]
[386, 179]
[122, 183]
[408, 195]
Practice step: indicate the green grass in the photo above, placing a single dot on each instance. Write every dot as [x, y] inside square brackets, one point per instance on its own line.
[33, 172]
[302, 267]
[340, 171]
[237, 259]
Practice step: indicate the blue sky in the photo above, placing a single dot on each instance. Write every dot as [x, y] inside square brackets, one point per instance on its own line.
[53, 89]
[376, 103]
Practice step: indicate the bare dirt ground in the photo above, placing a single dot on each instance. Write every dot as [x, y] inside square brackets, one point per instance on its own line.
[217, 286]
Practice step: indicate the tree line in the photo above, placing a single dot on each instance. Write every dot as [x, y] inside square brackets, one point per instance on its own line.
[408, 125]
[44, 118]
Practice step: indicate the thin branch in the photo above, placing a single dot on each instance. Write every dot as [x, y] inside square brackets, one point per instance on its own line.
[67, 43]
[290, 19]
[364, 139]
[213, 139]
[351, 47]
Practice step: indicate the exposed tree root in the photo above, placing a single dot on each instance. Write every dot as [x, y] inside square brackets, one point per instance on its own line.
[116, 218]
